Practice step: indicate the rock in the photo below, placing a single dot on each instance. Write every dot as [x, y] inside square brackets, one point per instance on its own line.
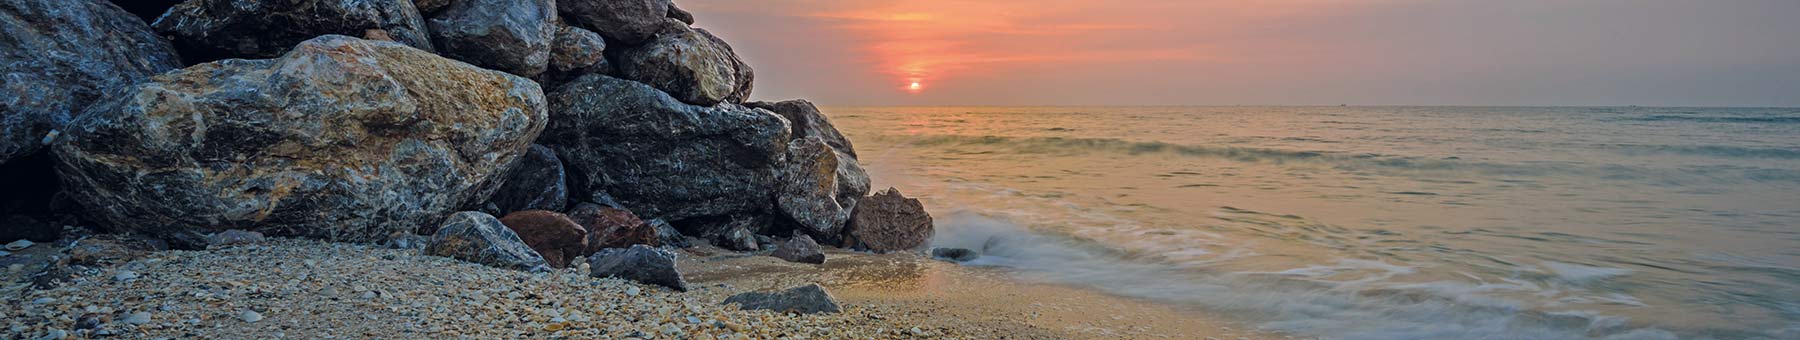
[148, 10]
[800, 248]
[507, 35]
[536, 182]
[136, 318]
[667, 235]
[59, 56]
[808, 299]
[610, 227]
[690, 64]
[342, 138]
[125, 275]
[233, 237]
[555, 237]
[249, 316]
[576, 52]
[431, 6]
[738, 238]
[103, 250]
[639, 263]
[92, 320]
[208, 30]
[955, 254]
[805, 120]
[888, 221]
[680, 15]
[54, 334]
[481, 238]
[405, 240]
[19, 245]
[662, 158]
[630, 22]
[819, 187]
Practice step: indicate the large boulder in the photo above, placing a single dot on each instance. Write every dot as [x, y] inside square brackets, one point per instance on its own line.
[819, 187]
[610, 227]
[888, 221]
[576, 52]
[629, 22]
[149, 10]
[59, 56]
[801, 249]
[662, 158]
[639, 263]
[691, 64]
[553, 235]
[805, 120]
[808, 299]
[507, 35]
[536, 182]
[342, 138]
[481, 238]
[207, 30]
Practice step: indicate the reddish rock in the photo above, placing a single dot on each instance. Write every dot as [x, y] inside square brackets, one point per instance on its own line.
[612, 227]
[553, 235]
[888, 221]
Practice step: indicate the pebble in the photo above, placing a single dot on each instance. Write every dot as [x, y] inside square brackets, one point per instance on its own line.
[4, 253]
[138, 318]
[43, 300]
[54, 334]
[21, 244]
[125, 275]
[250, 316]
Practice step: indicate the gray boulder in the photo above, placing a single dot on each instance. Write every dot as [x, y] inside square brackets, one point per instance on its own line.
[481, 238]
[507, 35]
[207, 30]
[800, 248]
[667, 235]
[819, 186]
[576, 52]
[639, 263]
[888, 221]
[805, 120]
[690, 64]
[343, 138]
[629, 22]
[659, 157]
[808, 299]
[59, 56]
[536, 182]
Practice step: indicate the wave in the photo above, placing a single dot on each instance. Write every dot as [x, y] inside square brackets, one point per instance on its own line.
[1720, 119]
[1721, 151]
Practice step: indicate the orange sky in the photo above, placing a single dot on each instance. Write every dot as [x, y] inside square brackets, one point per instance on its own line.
[1086, 52]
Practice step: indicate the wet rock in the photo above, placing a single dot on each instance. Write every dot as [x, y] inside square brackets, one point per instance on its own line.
[507, 35]
[342, 138]
[630, 22]
[610, 227]
[553, 235]
[808, 299]
[405, 241]
[233, 237]
[208, 30]
[667, 235]
[148, 10]
[536, 182]
[662, 158]
[57, 57]
[481, 238]
[576, 52]
[689, 64]
[639, 263]
[955, 254]
[888, 221]
[800, 248]
[819, 187]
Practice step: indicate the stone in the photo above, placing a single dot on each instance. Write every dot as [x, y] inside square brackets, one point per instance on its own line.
[507, 35]
[630, 22]
[954, 254]
[801, 249]
[737, 238]
[125, 275]
[576, 52]
[680, 14]
[536, 182]
[819, 186]
[610, 227]
[689, 64]
[662, 158]
[148, 10]
[343, 139]
[805, 120]
[208, 30]
[249, 316]
[18, 245]
[553, 235]
[639, 263]
[57, 57]
[136, 318]
[233, 237]
[405, 240]
[481, 238]
[808, 299]
[667, 235]
[888, 221]
[103, 250]
[431, 6]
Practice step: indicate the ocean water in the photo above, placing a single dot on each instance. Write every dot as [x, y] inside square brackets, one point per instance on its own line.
[1376, 222]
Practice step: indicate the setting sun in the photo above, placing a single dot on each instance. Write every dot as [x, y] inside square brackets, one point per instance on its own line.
[915, 87]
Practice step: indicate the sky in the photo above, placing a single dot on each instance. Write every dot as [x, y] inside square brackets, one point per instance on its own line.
[1266, 52]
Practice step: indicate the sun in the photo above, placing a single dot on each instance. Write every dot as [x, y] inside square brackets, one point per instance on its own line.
[915, 87]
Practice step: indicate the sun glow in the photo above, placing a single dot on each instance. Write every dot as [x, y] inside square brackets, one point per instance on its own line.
[915, 87]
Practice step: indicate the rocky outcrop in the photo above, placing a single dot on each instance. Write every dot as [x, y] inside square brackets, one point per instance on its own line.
[536, 182]
[553, 235]
[342, 138]
[59, 56]
[888, 221]
[610, 227]
[800, 248]
[805, 120]
[639, 263]
[819, 186]
[481, 238]
[808, 299]
[207, 30]
[690, 64]
[576, 52]
[630, 22]
[507, 35]
[662, 158]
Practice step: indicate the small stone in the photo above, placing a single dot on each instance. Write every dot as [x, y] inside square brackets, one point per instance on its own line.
[250, 316]
[632, 291]
[954, 254]
[639, 263]
[43, 300]
[91, 320]
[125, 275]
[233, 237]
[800, 248]
[54, 334]
[19, 245]
[808, 299]
[138, 318]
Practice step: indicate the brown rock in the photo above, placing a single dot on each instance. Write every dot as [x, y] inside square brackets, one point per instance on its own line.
[610, 227]
[888, 221]
[105, 250]
[551, 234]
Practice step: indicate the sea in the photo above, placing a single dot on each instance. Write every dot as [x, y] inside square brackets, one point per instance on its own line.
[1376, 222]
